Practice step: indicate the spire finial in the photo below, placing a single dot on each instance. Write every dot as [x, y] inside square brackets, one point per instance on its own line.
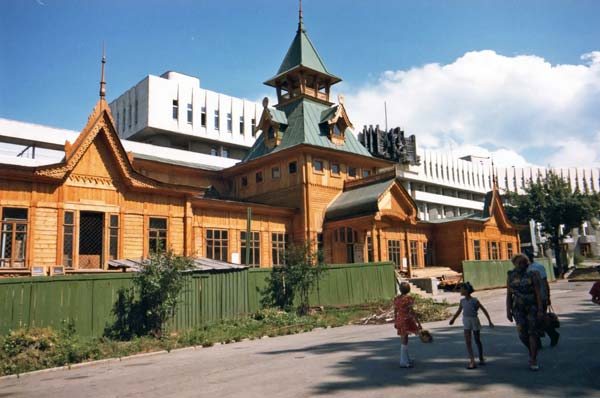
[102, 82]
[300, 22]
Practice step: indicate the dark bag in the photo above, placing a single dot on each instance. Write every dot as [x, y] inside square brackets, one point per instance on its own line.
[551, 320]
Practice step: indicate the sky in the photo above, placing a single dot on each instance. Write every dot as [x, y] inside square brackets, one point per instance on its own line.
[518, 81]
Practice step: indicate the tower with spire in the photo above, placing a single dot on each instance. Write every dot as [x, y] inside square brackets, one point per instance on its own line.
[304, 113]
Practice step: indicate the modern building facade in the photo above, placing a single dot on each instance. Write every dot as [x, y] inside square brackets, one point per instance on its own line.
[172, 110]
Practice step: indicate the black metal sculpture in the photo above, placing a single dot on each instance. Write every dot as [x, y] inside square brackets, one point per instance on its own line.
[391, 145]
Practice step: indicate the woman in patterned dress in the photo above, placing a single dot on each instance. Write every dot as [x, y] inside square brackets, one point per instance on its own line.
[405, 321]
[524, 305]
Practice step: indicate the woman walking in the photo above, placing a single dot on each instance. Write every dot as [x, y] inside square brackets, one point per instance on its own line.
[405, 321]
[524, 305]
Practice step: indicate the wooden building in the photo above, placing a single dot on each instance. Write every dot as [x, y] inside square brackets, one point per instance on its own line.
[307, 178]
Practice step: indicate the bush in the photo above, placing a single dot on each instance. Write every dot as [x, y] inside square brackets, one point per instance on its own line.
[293, 281]
[145, 308]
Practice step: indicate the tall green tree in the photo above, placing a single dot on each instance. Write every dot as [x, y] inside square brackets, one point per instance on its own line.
[552, 202]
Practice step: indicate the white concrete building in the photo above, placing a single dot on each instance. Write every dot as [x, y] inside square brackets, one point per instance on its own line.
[444, 186]
[172, 110]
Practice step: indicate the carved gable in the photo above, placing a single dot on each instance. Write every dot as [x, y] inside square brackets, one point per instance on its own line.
[396, 203]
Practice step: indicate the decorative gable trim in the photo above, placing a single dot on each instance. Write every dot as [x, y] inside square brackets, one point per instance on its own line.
[337, 122]
[272, 123]
[101, 124]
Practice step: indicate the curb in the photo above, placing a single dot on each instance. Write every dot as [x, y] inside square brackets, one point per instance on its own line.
[133, 356]
[96, 362]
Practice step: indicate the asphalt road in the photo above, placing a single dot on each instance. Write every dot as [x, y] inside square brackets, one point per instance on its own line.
[353, 361]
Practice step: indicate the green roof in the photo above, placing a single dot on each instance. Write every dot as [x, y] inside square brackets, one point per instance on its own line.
[302, 53]
[278, 116]
[304, 126]
[357, 202]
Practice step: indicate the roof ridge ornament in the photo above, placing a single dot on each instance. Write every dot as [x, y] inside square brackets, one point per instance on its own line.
[300, 21]
[102, 82]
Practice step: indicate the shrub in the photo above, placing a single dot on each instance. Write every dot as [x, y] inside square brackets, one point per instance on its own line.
[293, 281]
[145, 308]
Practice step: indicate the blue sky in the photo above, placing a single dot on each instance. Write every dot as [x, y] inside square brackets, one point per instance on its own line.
[50, 50]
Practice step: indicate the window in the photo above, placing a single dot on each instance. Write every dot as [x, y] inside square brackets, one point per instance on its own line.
[275, 172]
[278, 244]
[242, 125]
[175, 109]
[68, 227]
[335, 168]
[259, 176]
[493, 253]
[213, 151]
[254, 245]
[352, 171]
[190, 113]
[366, 173]
[428, 253]
[370, 257]
[225, 152]
[509, 250]
[292, 167]
[130, 116]
[136, 112]
[336, 130]
[203, 116]
[13, 239]
[477, 249]
[216, 115]
[113, 237]
[271, 133]
[320, 248]
[229, 123]
[414, 253]
[157, 234]
[394, 252]
[318, 166]
[217, 244]
[244, 181]
[253, 127]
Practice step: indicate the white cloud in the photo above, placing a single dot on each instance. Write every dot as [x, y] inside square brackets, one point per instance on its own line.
[522, 109]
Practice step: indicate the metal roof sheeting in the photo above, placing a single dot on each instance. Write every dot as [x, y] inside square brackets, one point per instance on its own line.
[200, 264]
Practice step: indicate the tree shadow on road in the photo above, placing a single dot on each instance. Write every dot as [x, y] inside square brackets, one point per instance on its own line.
[570, 369]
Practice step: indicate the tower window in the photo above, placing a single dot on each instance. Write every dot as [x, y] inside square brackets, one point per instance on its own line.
[203, 116]
[190, 113]
[216, 119]
[253, 127]
[293, 166]
[241, 125]
[271, 134]
[229, 123]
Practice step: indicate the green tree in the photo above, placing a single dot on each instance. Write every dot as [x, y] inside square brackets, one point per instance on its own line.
[552, 203]
[145, 307]
[294, 281]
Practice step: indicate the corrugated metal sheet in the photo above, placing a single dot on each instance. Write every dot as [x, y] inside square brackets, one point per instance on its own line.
[486, 274]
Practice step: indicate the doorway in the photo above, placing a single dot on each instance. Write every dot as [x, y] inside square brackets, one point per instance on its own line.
[91, 240]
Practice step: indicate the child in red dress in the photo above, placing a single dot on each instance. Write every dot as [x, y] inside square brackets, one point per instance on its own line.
[405, 321]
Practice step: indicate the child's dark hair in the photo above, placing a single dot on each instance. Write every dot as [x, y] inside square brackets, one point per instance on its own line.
[404, 288]
[468, 287]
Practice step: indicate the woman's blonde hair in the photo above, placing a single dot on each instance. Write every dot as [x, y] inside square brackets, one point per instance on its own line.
[404, 288]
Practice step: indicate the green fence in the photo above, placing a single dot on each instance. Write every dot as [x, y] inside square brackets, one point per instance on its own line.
[341, 284]
[490, 274]
[88, 299]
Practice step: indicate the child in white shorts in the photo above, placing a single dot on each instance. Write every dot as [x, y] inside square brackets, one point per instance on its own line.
[469, 306]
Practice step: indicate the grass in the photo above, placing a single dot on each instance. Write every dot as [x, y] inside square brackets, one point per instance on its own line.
[25, 350]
